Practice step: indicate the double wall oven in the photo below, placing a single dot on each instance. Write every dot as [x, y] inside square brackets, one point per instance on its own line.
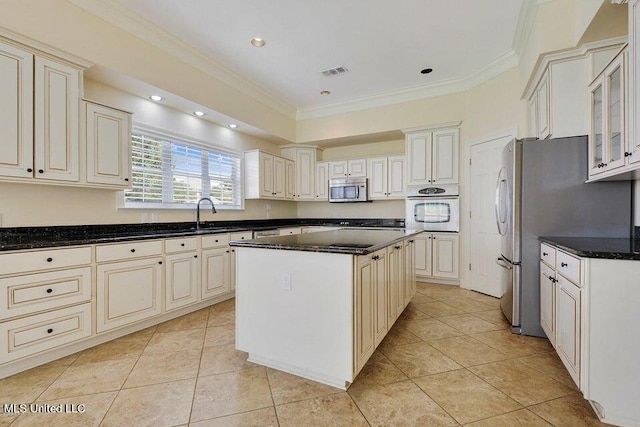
[433, 208]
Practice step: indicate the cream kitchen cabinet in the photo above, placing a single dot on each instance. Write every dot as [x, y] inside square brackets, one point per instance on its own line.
[322, 181]
[216, 266]
[107, 135]
[352, 168]
[432, 156]
[289, 230]
[548, 296]
[386, 177]
[289, 179]
[437, 256]
[244, 235]
[633, 80]
[265, 175]
[39, 119]
[409, 270]
[181, 273]
[381, 298]
[396, 268]
[305, 161]
[128, 283]
[364, 311]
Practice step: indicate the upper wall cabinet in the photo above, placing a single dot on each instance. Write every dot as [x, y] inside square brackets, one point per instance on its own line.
[322, 181]
[305, 161]
[265, 176]
[108, 146]
[38, 116]
[432, 156]
[386, 177]
[354, 168]
[634, 79]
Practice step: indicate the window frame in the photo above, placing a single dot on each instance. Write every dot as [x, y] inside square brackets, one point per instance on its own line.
[178, 138]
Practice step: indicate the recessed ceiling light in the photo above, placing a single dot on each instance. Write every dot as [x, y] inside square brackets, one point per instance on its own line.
[233, 125]
[426, 70]
[198, 113]
[325, 93]
[257, 42]
[156, 98]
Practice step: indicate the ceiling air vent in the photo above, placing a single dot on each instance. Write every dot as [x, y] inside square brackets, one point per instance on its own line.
[334, 71]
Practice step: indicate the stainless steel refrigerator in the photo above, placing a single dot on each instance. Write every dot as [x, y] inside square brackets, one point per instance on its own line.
[541, 191]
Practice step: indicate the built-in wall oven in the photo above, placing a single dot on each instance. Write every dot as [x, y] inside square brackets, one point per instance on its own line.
[435, 208]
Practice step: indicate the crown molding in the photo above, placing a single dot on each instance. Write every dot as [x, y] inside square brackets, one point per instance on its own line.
[498, 66]
[447, 125]
[526, 19]
[134, 24]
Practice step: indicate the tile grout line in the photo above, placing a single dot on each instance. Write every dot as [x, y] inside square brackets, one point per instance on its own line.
[195, 384]
[266, 373]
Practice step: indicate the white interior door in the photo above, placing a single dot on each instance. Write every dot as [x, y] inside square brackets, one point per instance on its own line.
[486, 275]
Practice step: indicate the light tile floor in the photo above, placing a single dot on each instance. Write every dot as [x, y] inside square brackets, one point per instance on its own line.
[449, 360]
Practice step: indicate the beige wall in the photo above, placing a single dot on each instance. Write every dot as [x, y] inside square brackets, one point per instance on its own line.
[387, 148]
[30, 204]
[375, 209]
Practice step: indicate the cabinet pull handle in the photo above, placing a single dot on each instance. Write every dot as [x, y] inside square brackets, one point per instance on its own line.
[397, 247]
[133, 250]
[627, 154]
[410, 241]
[49, 259]
[563, 264]
[29, 170]
[49, 330]
[49, 290]
[545, 254]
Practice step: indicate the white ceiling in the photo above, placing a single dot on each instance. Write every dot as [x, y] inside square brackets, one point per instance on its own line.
[383, 43]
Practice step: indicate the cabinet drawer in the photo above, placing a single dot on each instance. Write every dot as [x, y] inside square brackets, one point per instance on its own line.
[548, 254]
[290, 230]
[215, 240]
[27, 262]
[180, 245]
[44, 291]
[33, 334]
[245, 235]
[105, 253]
[569, 267]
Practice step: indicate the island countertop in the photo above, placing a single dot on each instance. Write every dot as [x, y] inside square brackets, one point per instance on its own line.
[343, 241]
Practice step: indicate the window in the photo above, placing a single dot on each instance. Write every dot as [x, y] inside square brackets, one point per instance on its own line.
[172, 173]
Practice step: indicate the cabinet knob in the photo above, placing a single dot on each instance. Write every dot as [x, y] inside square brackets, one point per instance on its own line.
[49, 259]
[227, 251]
[49, 330]
[410, 241]
[397, 247]
[29, 170]
[40, 171]
[181, 244]
[216, 240]
[233, 250]
[563, 264]
[133, 250]
[160, 262]
[126, 179]
[49, 290]
[195, 256]
[545, 254]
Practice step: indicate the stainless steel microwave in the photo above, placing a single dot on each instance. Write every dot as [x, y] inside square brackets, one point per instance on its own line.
[344, 190]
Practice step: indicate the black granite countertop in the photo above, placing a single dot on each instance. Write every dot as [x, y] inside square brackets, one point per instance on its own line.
[21, 238]
[597, 247]
[343, 241]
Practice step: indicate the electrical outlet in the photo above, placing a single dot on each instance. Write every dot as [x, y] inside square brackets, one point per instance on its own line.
[154, 217]
[286, 281]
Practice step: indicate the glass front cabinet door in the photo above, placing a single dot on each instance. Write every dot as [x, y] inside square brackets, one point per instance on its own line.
[596, 150]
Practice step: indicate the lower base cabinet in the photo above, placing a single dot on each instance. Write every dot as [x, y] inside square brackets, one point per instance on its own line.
[568, 330]
[181, 280]
[128, 292]
[437, 256]
[215, 272]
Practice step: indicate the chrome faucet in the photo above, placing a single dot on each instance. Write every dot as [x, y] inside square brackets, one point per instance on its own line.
[213, 210]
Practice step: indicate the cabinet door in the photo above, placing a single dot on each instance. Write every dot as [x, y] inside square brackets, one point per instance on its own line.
[305, 174]
[616, 143]
[423, 254]
[400, 277]
[16, 112]
[108, 139]
[596, 137]
[278, 177]
[548, 302]
[322, 181]
[364, 300]
[215, 272]
[377, 174]
[395, 176]
[127, 292]
[357, 168]
[338, 169]
[381, 283]
[568, 326]
[533, 115]
[245, 235]
[181, 280]
[544, 107]
[419, 158]
[445, 157]
[634, 78]
[290, 179]
[266, 175]
[408, 272]
[445, 255]
[56, 103]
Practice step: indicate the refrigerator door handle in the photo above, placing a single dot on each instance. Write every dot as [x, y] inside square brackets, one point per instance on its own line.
[502, 263]
[499, 203]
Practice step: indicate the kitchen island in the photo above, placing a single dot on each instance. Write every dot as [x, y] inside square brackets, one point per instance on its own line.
[317, 305]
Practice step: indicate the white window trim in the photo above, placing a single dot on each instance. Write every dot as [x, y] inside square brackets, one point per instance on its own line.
[169, 135]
